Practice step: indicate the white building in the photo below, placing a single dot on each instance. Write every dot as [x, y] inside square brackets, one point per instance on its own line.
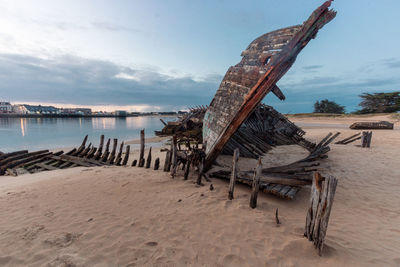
[5, 107]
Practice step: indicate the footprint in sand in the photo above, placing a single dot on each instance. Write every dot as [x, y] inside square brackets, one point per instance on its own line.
[151, 244]
[63, 240]
[31, 233]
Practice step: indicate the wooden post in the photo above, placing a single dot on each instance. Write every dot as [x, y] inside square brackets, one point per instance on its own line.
[125, 161]
[167, 161]
[369, 139]
[256, 185]
[141, 155]
[148, 161]
[174, 157]
[100, 150]
[201, 168]
[134, 162]
[187, 168]
[106, 152]
[156, 164]
[322, 194]
[118, 159]
[113, 151]
[234, 173]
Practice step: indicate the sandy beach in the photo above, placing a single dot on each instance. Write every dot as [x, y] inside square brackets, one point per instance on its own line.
[129, 216]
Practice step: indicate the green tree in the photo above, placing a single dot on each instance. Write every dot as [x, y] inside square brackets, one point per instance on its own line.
[380, 102]
[326, 106]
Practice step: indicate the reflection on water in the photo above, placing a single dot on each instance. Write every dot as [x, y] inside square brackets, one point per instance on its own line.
[40, 133]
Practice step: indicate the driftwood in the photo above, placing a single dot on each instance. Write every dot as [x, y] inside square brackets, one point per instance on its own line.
[372, 125]
[167, 161]
[277, 217]
[234, 173]
[349, 139]
[256, 185]
[322, 195]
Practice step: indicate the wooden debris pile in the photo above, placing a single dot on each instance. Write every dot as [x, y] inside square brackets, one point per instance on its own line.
[283, 181]
[349, 139]
[373, 125]
[20, 162]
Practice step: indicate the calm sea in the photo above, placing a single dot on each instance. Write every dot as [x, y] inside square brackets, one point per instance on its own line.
[50, 133]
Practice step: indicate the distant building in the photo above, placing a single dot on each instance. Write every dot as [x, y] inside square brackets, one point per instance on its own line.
[120, 113]
[29, 109]
[76, 111]
[5, 107]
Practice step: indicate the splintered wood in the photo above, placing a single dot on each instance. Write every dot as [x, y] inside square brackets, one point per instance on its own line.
[322, 194]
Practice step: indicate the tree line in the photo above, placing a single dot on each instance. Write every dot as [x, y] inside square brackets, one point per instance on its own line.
[370, 103]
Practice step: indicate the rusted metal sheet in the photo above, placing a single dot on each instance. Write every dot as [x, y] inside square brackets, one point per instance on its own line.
[264, 62]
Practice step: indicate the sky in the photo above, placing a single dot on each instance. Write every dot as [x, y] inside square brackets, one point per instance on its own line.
[171, 55]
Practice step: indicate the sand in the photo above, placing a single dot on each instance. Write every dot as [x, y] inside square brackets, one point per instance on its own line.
[129, 216]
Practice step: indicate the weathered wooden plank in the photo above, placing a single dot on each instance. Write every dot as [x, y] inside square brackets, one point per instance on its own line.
[46, 166]
[256, 185]
[7, 155]
[234, 173]
[347, 139]
[22, 160]
[7, 160]
[321, 200]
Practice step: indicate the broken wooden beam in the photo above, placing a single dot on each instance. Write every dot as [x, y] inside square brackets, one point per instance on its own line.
[234, 173]
[322, 195]
[256, 185]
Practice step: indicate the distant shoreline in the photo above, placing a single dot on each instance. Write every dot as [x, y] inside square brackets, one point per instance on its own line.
[10, 115]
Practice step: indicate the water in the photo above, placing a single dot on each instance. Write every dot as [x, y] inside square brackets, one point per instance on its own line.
[49, 133]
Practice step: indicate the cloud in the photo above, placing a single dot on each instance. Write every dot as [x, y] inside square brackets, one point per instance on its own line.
[312, 67]
[75, 80]
[108, 26]
[392, 63]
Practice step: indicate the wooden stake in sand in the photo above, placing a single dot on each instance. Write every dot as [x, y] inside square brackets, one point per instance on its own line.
[256, 185]
[174, 157]
[148, 161]
[141, 155]
[366, 139]
[322, 194]
[167, 161]
[125, 161]
[234, 173]
[156, 164]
